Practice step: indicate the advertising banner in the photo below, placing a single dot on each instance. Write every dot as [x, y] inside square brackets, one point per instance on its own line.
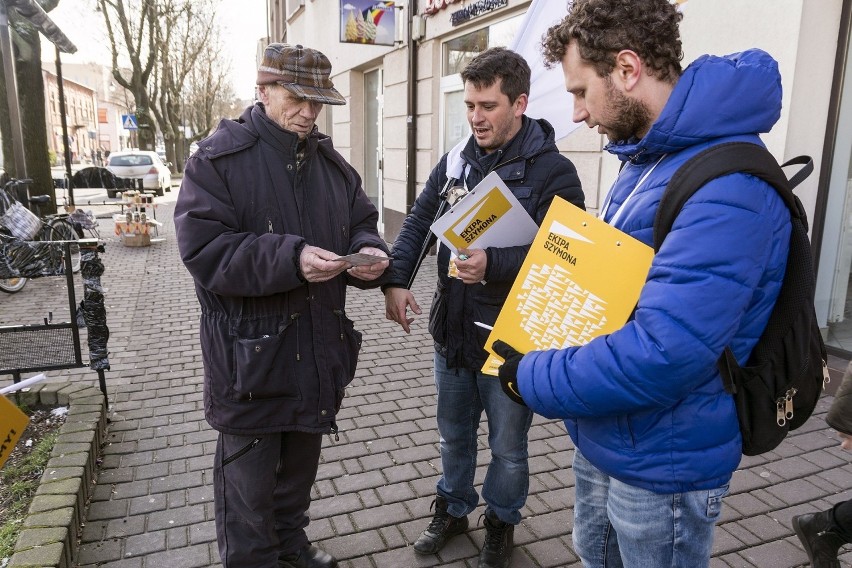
[367, 21]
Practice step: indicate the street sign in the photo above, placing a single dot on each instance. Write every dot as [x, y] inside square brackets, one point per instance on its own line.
[128, 121]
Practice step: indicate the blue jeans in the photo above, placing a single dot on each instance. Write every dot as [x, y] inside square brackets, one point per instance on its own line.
[462, 396]
[618, 525]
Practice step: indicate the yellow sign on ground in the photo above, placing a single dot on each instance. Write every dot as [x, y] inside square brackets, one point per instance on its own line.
[580, 279]
[12, 424]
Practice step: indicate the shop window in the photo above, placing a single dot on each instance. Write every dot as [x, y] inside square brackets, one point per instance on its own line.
[459, 51]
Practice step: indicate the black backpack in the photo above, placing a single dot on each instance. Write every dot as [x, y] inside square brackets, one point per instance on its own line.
[786, 372]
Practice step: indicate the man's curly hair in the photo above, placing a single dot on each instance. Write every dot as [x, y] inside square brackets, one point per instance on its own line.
[602, 28]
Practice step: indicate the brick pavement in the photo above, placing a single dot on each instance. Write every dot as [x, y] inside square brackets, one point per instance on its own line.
[152, 506]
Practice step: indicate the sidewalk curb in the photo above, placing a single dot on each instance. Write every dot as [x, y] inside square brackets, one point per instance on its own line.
[51, 529]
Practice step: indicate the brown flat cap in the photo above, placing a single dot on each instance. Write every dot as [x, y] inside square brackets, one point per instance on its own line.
[301, 70]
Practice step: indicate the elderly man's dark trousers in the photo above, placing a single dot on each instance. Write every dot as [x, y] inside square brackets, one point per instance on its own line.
[262, 491]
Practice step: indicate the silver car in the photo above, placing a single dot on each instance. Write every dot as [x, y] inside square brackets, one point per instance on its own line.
[136, 164]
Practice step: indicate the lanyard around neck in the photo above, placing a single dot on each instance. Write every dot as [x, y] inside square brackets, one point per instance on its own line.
[632, 193]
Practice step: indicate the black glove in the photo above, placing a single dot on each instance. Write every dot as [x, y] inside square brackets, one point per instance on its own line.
[508, 371]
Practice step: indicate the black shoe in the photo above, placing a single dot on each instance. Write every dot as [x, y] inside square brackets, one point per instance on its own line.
[499, 537]
[308, 557]
[820, 538]
[443, 527]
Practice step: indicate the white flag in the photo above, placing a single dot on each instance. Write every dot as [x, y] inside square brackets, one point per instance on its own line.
[548, 97]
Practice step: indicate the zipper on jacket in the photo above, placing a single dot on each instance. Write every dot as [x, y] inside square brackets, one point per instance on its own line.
[507, 162]
[269, 225]
[243, 451]
[334, 431]
[339, 314]
[295, 318]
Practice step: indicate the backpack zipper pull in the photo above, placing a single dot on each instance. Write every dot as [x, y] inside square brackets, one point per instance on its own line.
[789, 406]
[779, 412]
[826, 378]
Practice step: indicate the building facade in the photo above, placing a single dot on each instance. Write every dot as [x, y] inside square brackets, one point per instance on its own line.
[81, 118]
[94, 106]
[405, 104]
[113, 101]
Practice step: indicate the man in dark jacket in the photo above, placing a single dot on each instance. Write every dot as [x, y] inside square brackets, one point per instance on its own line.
[266, 208]
[523, 152]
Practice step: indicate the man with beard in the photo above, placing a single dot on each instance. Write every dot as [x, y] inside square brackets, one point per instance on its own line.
[656, 435]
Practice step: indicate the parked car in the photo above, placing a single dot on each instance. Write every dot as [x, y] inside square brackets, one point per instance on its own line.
[136, 164]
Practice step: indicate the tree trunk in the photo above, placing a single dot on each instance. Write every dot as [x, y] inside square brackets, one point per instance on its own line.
[31, 85]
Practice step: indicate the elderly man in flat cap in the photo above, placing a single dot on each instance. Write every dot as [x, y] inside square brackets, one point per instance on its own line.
[266, 209]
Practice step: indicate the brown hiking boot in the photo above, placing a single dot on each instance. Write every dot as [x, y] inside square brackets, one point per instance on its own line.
[820, 538]
[499, 537]
[443, 527]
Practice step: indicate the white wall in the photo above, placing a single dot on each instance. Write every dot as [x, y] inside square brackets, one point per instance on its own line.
[802, 36]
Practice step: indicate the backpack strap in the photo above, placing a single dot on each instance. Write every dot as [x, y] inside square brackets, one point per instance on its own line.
[721, 160]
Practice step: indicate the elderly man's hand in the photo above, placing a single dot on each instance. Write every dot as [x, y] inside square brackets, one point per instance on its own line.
[318, 265]
[370, 271]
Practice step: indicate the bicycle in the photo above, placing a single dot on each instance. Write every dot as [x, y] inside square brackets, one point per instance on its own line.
[55, 227]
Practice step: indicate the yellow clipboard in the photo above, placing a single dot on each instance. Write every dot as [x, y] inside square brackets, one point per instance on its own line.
[581, 279]
[12, 424]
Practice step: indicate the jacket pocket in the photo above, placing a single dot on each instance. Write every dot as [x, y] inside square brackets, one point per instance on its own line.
[265, 366]
[352, 339]
[352, 343]
[438, 316]
[241, 452]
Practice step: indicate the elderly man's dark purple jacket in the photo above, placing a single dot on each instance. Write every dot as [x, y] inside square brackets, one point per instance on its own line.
[277, 351]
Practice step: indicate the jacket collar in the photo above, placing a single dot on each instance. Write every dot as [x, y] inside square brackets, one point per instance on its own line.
[534, 137]
[280, 138]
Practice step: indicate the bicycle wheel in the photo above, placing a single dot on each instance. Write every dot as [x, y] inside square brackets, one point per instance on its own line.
[12, 285]
[63, 230]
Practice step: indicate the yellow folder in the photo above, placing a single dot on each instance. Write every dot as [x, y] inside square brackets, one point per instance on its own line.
[580, 279]
[12, 424]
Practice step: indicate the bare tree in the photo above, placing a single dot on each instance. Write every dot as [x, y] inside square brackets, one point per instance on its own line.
[27, 53]
[167, 42]
[132, 30]
[209, 98]
[188, 39]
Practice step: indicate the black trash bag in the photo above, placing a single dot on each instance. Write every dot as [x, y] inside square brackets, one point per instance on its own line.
[91, 314]
[93, 177]
[30, 259]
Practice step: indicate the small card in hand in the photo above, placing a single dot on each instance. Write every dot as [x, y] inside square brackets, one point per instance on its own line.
[362, 259]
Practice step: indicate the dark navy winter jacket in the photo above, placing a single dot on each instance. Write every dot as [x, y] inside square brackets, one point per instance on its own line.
[277, 351]
[535, 172]
[645, 404]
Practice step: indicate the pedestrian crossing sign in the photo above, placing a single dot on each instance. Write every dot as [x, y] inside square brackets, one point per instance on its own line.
[128, 121]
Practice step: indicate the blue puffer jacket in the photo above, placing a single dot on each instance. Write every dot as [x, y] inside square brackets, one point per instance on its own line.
[645, 404]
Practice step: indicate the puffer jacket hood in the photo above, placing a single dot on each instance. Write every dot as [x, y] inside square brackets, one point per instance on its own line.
[646, 404]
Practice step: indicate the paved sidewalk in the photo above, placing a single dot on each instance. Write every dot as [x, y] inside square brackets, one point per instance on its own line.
[152, 506]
